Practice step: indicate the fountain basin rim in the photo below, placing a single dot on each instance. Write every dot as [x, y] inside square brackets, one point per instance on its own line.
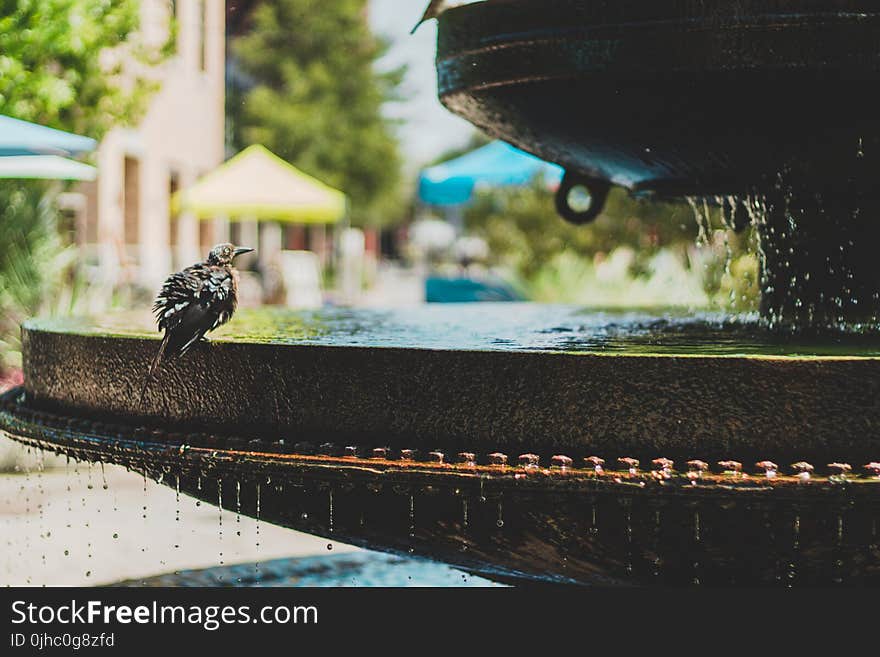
[46, 326]
[821, 410]
[50, 431]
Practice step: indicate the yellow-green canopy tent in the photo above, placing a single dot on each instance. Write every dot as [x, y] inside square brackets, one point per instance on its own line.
[257, 184]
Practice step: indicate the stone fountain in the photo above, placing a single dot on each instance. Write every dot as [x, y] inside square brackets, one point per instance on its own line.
[531, 443]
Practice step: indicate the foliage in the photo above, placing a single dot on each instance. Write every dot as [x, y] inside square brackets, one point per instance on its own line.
[315, 98]
[33, 261]
[612, 282]
[635, 251]
[77, 65]
[524, 230]
[57, 63]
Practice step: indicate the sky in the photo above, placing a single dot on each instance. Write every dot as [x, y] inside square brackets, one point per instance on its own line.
[428, 129]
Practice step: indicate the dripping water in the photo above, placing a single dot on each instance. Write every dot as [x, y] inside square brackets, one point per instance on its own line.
[42, 502]
[657, 562]
[257, 528]
[699, 206]
[220, 522]
[627, 505]
[464, 523]
[412, 521]
[698, 539]
[837, 575]
[791, 574]
[594, 517]
[330, 511]
[238, 508]
[144, 508]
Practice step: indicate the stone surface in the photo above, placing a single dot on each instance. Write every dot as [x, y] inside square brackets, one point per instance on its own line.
[641, 396]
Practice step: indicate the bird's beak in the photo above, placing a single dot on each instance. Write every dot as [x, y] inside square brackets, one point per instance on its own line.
[241, 250]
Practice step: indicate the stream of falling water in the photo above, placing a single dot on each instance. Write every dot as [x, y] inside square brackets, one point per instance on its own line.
[330, 510]
[412, 522]
[220, 522]
[719, 219]
[696, 579]
[791, 574]
[257, 528]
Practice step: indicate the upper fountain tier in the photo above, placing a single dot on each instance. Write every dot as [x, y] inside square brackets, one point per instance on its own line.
[674, 97]
[773, 101]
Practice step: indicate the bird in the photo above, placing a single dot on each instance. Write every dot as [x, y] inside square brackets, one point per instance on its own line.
[194, 301]
[433, 10]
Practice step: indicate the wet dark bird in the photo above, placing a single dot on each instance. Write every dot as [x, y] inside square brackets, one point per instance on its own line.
[194, 301]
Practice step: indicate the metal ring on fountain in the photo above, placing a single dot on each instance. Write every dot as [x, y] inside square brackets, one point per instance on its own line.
[417, 450]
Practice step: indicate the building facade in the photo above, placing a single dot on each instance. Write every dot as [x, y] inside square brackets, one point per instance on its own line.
[126, 228]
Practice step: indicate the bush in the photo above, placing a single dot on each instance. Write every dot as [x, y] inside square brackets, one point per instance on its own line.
[34, 263]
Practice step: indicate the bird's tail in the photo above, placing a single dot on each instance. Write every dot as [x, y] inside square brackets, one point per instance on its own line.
[154, 366]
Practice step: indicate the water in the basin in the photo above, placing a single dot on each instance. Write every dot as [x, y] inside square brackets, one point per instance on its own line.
[508, 327]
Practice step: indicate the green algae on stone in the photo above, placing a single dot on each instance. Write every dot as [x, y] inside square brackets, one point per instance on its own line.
[501, 327]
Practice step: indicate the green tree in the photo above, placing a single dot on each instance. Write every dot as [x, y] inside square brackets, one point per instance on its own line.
[73, 65]
[548, 257]
[524, 231]
[51, 66]
[314, 97]
[32, 261]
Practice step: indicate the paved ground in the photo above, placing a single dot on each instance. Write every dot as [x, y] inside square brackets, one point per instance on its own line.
[348, 569]
[63, 527]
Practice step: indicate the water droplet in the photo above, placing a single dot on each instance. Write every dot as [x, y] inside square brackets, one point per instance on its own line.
[330, 511]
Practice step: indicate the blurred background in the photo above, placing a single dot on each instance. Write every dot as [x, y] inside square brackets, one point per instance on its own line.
[309, 130]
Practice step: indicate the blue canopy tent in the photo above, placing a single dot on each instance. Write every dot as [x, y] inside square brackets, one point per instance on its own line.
[496, 164]
[19, 137]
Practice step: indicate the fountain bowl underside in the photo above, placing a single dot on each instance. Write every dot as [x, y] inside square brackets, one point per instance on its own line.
[674, 97]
